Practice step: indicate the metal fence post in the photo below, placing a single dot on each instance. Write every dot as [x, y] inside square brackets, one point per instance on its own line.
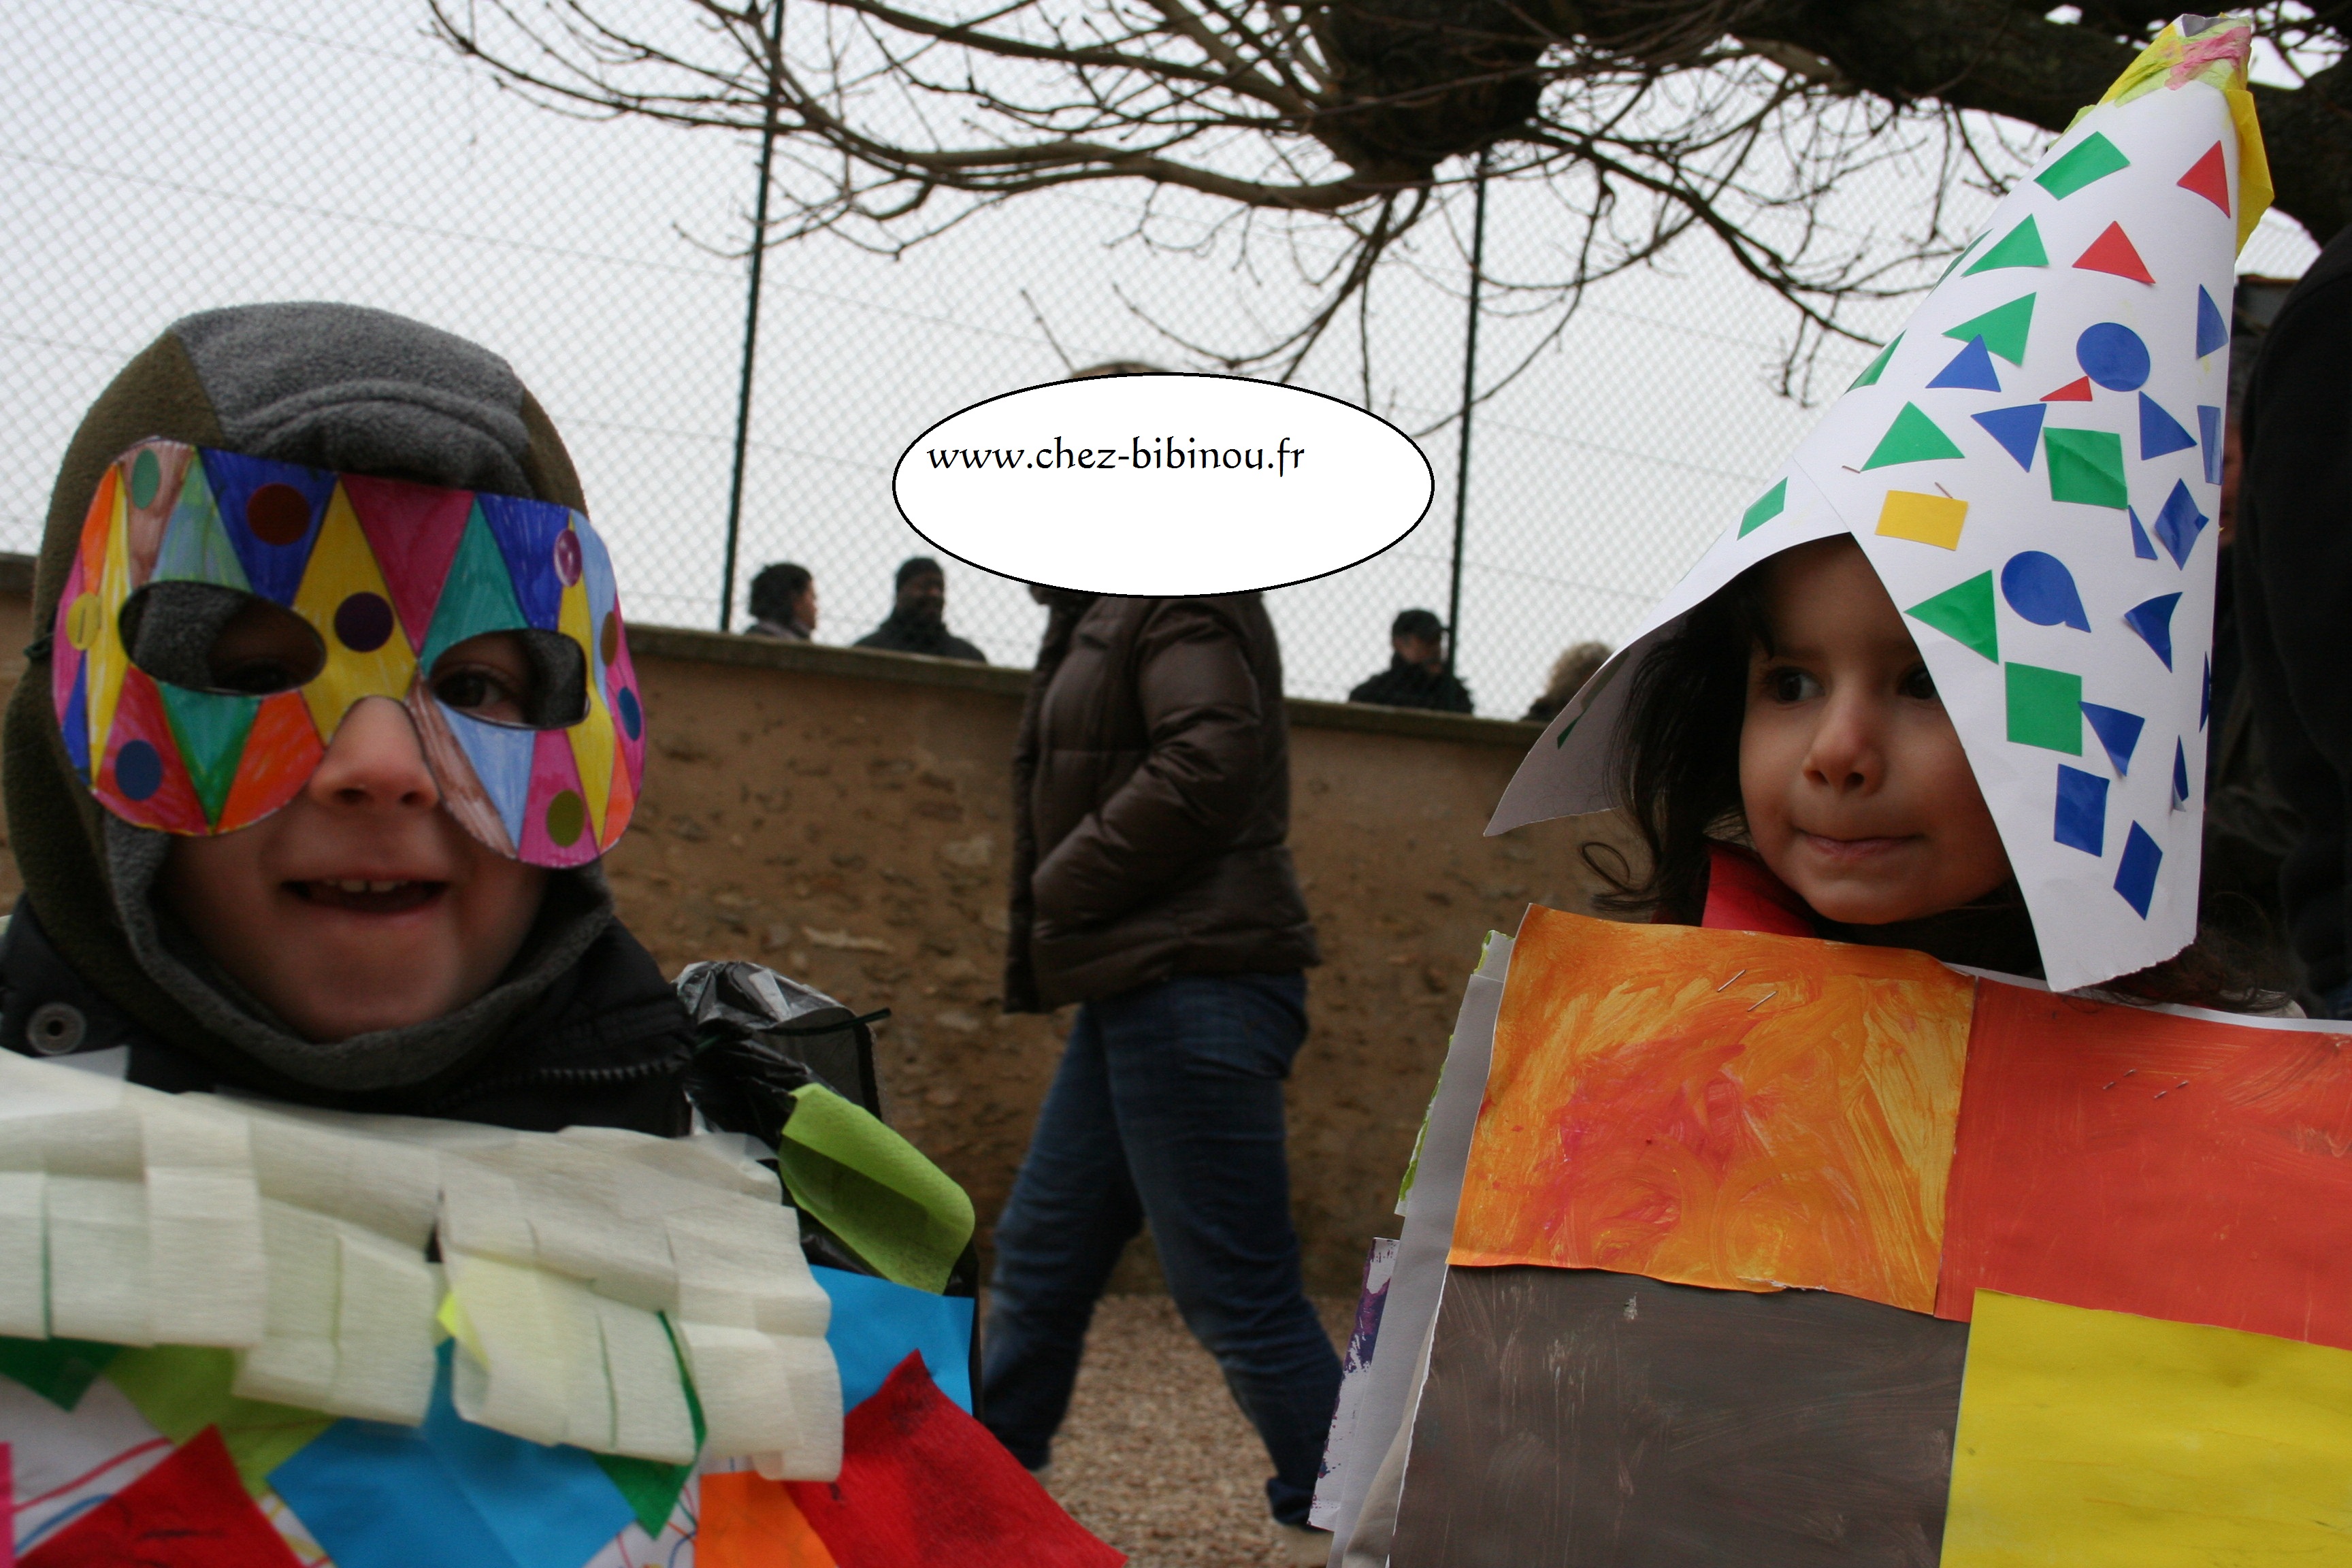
[1469, 383]
[750, 327]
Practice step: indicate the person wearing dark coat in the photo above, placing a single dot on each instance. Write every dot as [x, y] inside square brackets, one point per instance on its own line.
[1152, 886]
[2293, 602]
[917, 619]
[783, 603]
[1416, 676]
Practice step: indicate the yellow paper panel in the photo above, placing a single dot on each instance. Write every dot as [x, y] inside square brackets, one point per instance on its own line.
[1929, 520]
[2103, 1440]
[592, 740]
[341, 567]
[107, 657]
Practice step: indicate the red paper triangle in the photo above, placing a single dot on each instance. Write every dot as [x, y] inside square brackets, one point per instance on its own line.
[190, 1512]
[2073, 391]
[2113, 252]
[2210, 179]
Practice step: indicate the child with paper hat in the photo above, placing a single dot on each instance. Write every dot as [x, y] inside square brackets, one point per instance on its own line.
[356, 1185]
[2030, 468]
[1722, 1247]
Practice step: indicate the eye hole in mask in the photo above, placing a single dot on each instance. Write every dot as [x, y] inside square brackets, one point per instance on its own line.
[527, 679]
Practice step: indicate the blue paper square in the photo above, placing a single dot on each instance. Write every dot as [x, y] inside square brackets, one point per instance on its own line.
[2136, 878]
[381, 1496]
[2082, 811]
[876, 1324]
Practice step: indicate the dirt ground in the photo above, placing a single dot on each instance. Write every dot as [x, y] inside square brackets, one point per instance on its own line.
[1154, 1457]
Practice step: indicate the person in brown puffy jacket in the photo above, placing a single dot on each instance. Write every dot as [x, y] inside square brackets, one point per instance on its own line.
[1151, 884]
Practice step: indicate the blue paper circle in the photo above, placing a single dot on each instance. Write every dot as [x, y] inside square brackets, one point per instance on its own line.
[2112, 356]
[631, 719]
[138, 771]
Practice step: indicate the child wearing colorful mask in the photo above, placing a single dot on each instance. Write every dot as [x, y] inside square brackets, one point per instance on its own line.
[392, 1152]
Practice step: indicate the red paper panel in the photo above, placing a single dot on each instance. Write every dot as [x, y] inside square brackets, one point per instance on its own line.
[923, 1484]
[2139, 1162]
[190, 1512]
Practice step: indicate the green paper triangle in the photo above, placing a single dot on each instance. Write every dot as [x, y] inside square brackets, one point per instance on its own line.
[1962, 254]
[1869, 377]
[2021, 247]
[194, 550]
[1911, 438]
[478, 596]
[181, 1390]
[2091, 158]
[210, 727]
[650, 1486]
[1769, 505]
[1965, 614]
[2004, 330]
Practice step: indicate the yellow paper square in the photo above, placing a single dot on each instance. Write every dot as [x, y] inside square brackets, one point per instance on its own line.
[2094, 1438]
[1930, 520]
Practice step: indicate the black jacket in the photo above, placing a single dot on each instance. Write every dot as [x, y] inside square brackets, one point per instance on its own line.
[2293, 592]
[907, 634]
[607, 1046]
[1151, 800]
[1403, 685]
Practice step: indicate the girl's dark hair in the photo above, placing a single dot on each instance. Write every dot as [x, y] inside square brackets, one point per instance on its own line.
[1675, 766]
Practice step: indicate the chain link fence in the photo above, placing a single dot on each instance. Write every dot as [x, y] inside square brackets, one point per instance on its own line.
[165, 158]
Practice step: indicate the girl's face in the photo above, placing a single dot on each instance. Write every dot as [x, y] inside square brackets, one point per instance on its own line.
[1857, 793]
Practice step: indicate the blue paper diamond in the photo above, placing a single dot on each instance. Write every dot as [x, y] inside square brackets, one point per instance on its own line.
[2136, 877]
[2180, 523]
[2082, 819]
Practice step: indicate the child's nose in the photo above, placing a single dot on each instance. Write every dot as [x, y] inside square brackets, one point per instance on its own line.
[1846, 755]
[375, 759]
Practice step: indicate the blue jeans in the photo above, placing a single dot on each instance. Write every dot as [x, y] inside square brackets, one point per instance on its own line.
[1167, 1109]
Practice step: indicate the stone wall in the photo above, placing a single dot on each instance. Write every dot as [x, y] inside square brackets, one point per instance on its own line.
[843, 816]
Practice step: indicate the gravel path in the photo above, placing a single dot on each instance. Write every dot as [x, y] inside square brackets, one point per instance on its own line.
[1154, 1457]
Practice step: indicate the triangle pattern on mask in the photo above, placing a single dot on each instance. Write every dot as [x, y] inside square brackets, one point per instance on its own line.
[526, 532]
[501, 755]
[195, 549]
[477, 596]
[210, 728]
[555, 828]
[281, 751]
[413, 531]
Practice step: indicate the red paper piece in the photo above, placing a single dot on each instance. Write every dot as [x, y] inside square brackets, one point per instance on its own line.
[2114, 1157]
[922, 1484]
[1742, 894]
[2114, 252]
[2209, 178]
[190, 1512]
[2078, 391]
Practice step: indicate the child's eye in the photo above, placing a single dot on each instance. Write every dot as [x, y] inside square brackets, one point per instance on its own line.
[478, 693]
[1919, 684]
[1790, 685]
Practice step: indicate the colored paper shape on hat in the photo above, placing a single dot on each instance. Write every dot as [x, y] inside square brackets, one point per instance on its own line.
[2151, 620]
[2038, 588]
[2160, 433]
[271, 512]
[2178, 523]
[2020, 247]
[210, 730]
[2091, 158]
[2118, 733]
[2082, 818]
[2112, 356]
[2142, 545]
[2019, 430]
[1877, 366]
[477, 597]
[1717, 1108]
[194, 547]
[1578, 1416]
[2212, 328]
[281, 751]
[2180, 774]
[1913, 437]
[192, 1501]
[2044, 707]
[2180, 1157]
[746, 1521]
[2114, 252]
[1923, 518]
[413, 530]
[2105, 1437]
[2087, 466]
[2075, 391]
[2210, 178]
[2005, 329]
[1972, 368]
[183, 1390]
[875, 1322]
[1765, 507]
[1964, 612]
[922, 1482]
[2135, 874]
[2208, 425]
[375, 1495]
[527, 532]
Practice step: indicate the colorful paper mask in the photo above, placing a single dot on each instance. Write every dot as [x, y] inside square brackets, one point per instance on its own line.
[390, 575]
[2033, 467]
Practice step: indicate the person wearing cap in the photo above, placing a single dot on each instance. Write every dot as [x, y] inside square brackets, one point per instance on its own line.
[1416, 676]
[917, 619]
[783, 603]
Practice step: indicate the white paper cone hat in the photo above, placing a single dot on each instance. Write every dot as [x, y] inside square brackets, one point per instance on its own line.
[2033, 467]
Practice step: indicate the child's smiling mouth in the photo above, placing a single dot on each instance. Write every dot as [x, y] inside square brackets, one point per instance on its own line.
[1855, 849]
[368, 896]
